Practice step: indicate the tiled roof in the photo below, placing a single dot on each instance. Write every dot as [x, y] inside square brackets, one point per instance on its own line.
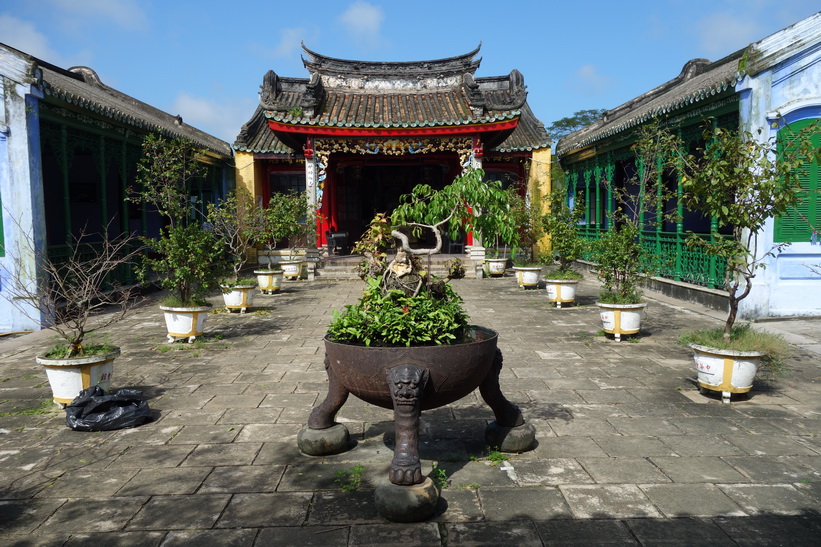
[82, 87]
[359, 94]
[699, 80]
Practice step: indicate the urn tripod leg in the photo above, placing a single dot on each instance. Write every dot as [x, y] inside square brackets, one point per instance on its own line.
[322, 435]
[509, 432]
[406, 384]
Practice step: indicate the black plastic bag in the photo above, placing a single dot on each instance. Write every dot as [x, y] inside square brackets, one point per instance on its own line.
[93, 410]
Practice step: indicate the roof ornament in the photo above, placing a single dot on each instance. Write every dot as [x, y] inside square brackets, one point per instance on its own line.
[516, 95]
[313, 96]
[476, 99]
[268, 90]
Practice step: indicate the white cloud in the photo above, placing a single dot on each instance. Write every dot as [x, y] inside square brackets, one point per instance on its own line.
[24, 36]
[222, 119]
[722, 33]
[126, 14]
[363, 22]
[589, 81]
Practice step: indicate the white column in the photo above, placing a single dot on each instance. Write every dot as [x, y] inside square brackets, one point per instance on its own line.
[311, 187]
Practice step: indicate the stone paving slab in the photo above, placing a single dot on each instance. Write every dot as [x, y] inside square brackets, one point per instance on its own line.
[629, 452]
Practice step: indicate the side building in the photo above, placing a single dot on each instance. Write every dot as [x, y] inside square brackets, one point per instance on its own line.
[69, 148]
[358, 134]
[769, 86]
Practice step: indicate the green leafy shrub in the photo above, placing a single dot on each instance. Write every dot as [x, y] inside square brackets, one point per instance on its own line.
[433, 317]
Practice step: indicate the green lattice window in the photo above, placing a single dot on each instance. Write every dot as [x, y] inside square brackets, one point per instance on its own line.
[799, 224]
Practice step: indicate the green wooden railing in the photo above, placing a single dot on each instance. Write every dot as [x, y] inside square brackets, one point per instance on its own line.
[673, 259]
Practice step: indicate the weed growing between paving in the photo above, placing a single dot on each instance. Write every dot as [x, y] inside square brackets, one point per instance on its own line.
[440, 477]
[350, 480]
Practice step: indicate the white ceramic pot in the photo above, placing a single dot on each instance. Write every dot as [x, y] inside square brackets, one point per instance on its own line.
[528, 277]
[496, 266]
[185, 323]
[291, 269]
[561, 291]
[270, 281]
[725, 370]
[238, 297]
[618, 319]
[67, 377]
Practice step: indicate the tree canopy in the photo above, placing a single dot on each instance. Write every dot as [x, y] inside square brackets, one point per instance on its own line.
[582, 118]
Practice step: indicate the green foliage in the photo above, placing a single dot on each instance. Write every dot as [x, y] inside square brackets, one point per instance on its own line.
[743, 180]
[374, 246]
[561, 223]
[64, 351]
[578, 120]
[433, 317]
[494, 456]
[526, 212]
[743, 338]
[187, 260]
[286, 218]
[468, 203]
[439, 477]
[622, 260]
[455, 268]
[235, 220]
[351, 480]
[164, 176]
[560, 274]
[618, 254]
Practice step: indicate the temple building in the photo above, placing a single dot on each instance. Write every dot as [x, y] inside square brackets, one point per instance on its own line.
[358, 134]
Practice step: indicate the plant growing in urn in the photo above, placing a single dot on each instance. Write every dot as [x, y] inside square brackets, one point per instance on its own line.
[186, 258]
[561, 223]
[407, 345]
[76, 295]
[742, 181]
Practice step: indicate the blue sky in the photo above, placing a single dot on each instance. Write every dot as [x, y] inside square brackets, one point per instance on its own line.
[205, 59]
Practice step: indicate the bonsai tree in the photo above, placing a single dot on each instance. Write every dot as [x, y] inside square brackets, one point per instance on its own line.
[185, 257]
[406, 306]
[742, 181]
[622, 260]
[561, 223]
[374, 246]
[235, 221]
[287, 218]
[76, 295]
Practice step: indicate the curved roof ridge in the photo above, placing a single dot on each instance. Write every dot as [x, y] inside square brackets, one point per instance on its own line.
[457, 63]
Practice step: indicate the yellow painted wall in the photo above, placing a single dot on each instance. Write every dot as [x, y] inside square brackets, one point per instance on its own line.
[246, 173]
[539, 188]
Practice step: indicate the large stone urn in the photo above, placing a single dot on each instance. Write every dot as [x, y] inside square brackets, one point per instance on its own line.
[410, 380]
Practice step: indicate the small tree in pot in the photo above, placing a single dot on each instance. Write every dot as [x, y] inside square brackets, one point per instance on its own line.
[286, 218]
[622, 261]
[561, 223]
[186, 258]
[235, 222]
[77, 296]
[743, 181]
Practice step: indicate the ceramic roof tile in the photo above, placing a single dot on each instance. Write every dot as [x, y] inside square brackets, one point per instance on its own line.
[698, 80]
[82, 87]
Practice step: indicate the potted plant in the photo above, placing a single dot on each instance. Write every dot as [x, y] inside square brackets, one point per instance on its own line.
[411, 330]
[75, 296]
[286, 218]
[741, 181]
[234, 220]
[623, 262]
[526, 212]
[185, 258]
[561, 223]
